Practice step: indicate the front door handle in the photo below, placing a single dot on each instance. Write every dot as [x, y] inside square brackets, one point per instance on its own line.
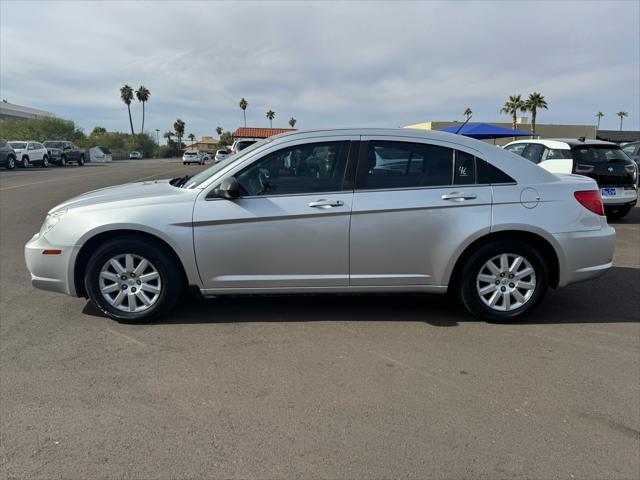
[459, 196]
[326, 203]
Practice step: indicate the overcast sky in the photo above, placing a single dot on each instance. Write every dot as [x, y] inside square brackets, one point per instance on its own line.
[326, 63]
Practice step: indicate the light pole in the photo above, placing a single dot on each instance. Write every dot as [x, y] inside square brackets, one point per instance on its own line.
[158, 136]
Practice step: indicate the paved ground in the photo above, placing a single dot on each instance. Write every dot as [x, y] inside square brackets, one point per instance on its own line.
[338, 387]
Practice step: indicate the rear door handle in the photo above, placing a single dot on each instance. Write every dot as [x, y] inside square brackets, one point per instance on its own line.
[459, 196]
[326, 203]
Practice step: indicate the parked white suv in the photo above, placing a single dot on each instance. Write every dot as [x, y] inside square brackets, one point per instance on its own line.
[30, 152]
[221, 155]
[605, 162]
[191, 156]
[240, 144]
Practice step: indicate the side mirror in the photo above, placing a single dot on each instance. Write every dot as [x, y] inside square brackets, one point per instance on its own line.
[229, 188]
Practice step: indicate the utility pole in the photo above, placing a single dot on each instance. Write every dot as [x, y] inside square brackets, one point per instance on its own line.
[158, 136]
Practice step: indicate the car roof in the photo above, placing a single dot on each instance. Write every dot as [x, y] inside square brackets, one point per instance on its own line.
[564, 143]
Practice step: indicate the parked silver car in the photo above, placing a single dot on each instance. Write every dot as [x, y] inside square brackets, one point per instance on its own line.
[332, 211]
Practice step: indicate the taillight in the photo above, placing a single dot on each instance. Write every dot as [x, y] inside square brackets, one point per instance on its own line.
[582, 168]
[591, 200]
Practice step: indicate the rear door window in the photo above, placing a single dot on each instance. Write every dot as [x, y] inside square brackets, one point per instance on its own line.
[556, 154]
[533, 152]
[464, 172]
[516, 148]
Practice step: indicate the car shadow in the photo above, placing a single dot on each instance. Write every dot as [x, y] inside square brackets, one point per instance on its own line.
[631, 218]
[612, 298]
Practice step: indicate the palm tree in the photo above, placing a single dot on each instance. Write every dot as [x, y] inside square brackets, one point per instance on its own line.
[533, 103]
[126, 94]
[622, 114]
[512, 106]
[178, 126]
[191, 137]
[271, 115]
[468, 113]
[168, 136]
[219, 131]
[599, 115]
[292, 122]
[143, 94]
[243, 105]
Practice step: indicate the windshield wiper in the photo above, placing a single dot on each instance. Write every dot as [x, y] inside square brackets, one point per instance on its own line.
[180, 181]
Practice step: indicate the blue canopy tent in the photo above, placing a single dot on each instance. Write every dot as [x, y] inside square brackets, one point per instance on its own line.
[483, 131]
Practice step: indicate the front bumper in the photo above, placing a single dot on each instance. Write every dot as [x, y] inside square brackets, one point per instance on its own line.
[585, 255]
[51, 272]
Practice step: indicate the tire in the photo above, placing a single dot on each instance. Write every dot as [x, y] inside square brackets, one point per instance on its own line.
[63, 161]
[45, 162]
[11, 162]
[25, 162]
[100, 274]
[616, 213]
[81, 161]
[513, 297]
[184, 163]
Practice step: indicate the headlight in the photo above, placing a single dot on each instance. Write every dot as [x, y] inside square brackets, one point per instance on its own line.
[51, 221]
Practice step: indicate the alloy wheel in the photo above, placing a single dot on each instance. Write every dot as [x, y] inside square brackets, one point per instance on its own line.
[506, 282]
[130, 283]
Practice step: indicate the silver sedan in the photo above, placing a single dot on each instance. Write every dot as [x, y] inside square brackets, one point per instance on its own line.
[333, 211]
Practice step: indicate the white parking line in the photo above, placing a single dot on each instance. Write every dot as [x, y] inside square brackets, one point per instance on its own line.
[80, 176]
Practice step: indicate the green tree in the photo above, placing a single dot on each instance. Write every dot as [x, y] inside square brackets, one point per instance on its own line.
[271, 115]
[169, 135]
[98, 131]
[178, 126]
[599, 116]
[126, 95]
[467, 113]
[143, 94]
[511, 107]
[292, 122]
[622, 114]
[219, 131]
[243, 104]
[40, 129]
[191, 137]
[226, 139]
[534, 102]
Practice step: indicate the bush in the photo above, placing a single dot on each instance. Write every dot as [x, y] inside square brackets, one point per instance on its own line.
[41, 129]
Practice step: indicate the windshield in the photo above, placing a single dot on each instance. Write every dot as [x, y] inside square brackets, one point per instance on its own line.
[53, 144]
[18, 145]
[598, 154]
[205, 175]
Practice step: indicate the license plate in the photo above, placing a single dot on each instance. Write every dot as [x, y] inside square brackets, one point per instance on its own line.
[609, 192]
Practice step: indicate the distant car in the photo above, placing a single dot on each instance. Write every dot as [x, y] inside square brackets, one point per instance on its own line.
[633, 151]
[204, 156]
[191, 156]
[62, 152]
[100, 155]
[135, 155]
[221, 155]
[605, 162]
[30, 152]
[240, 144]
[7, 155]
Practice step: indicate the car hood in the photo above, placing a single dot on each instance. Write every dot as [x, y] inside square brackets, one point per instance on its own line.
[131, 194]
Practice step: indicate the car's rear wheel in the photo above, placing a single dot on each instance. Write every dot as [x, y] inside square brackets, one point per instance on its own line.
[617, 212]
[132, 280]
[81, 161]
[45, 162]
[503, 281]
[11, 162]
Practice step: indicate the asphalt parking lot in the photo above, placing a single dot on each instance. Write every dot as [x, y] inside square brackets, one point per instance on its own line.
[323, 387]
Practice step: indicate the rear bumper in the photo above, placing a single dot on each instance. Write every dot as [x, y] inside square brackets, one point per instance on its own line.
[624, 196]
[51, 272]
[585, 255]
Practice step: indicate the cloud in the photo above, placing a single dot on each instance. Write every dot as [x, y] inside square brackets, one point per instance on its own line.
[326, 63]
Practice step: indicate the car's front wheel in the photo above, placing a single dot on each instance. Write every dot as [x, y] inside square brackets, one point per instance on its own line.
[132, 280]
[45, 162]
[81, 161]
[25, 162]
[63, 161]
[503, 281]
